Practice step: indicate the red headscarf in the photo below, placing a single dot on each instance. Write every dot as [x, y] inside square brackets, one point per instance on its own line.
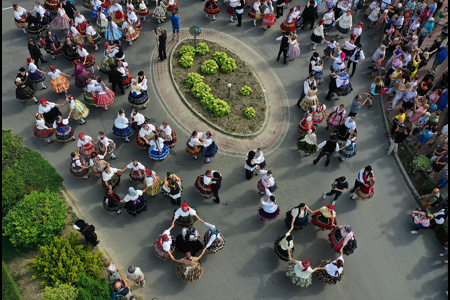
[320, 22]
[43, 101]
[52, 68]
[362, 25]
[185, 205]
[162, 239]
[29, 60]
[80, 135]
[306, 265]
[330, 207]
[15, 6]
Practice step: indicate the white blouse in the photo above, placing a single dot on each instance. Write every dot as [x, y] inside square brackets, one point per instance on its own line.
[81, 143]
[298, 269]
[79, 20]
[82, 53]
[108, 176]
[180, 213]
[32, 67]
[332, 268]
[19, 13]
[41, 124]
[269, 206]
[138, 167]
[90, 30]
[121, 122]
[167, 130]
[143, 132]
[105, 141]
[154, 144]
[167, 243]
[138, 118]
[115, 7]
[47, 108]
[55, 74]
[39, 9]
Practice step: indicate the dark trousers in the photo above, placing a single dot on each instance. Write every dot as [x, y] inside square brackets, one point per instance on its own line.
[216, 194]
[279, 11]
[239, 19]
[284, 51]
[162, 52]
[336, 194]
[37, 58]
[331, 88]
[357, 185]
[323, 153]
[349, 64]
[91, 238]
[114, 84]
[248, 174]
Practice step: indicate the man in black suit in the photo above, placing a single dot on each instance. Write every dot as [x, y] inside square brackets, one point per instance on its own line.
[115, 78]
[69, 8]
[35, 52]
[216, 183]
[284, 46]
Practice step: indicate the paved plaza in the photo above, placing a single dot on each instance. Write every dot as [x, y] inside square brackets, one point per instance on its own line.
[389, 263]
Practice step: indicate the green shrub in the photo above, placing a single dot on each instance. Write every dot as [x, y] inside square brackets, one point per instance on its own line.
[192, 79]
[187, 51]
[427, 187]
[60, 292]
[220, 108]
[9, 287]
[91, 289]
[246, 90]
[12, 148]
[210, 67]
[200, 90]
[186, 61]
[13, 189]
[420, 163]
[219, 57]
[63, 259]
[202, 48]
[36, 219]
[228, 65]
[249, 112]
[207, 101]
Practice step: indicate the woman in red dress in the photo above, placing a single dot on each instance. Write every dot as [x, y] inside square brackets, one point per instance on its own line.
[365, 191]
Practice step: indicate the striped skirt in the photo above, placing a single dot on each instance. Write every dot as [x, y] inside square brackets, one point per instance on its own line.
[202, 188]
[123, 132]
[52, 49]
[80, 111]
[59, 84]
[87, 149]
[90, 97]
[105, 99]
[43, 133]
[155, 154]
[138, 100]
[111, 148]
[126, 81]
[90, 60]
[37, 77]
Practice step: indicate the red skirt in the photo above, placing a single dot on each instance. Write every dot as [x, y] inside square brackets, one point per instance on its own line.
[143, 12]
[126, 82]
[51, 5]
[269, 20]
[43, 133]
[81, 28]
[194, 151]
[290, 27]
[323, 222]
[173, 7]
[254, 14]
[90, 61]
[211, 7]
[117, 16]
[230, 10]
[140, 142]
[87, 149]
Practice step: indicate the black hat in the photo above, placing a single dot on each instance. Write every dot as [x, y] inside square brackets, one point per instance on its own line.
[141, 73]
[22, 69]
[316, 54]
[359, 45]
[368, 168]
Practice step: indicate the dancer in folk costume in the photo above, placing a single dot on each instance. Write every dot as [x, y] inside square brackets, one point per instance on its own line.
[52, 45]
[121, 127]
[20, 17]
[35, 75]
[269, 210]
[97, 163]
[49, 110]
[105, 6]
[231, 10]
[310, 99]
[306, 123]
[255, 13]
[152, 183]
[109, 61]
[77, 110]
[145, 135]
[308, 142]
[283, 245]
[194, 145]
[110, 177]
[209, 146]
[319, 113]
[64, 132]
[93, 37]
[137, 120]
[188, 241]
[189, 268]
[92, 90]
[61, 20]
[288, 24]
[297, 218]
[251, 164]
[324, 217]
[365, 191]
[185, 216]
[300, 272]
[269, 16]
[143, 10]
[135, 202]
[126, 74]
[317, 71]
[69, 49]
[328, 19]
[294, 47]
[78, 166]
[331, 272]
[172, 187]
[116, 12]
[160, 13]
[42, 14]
[213, 239]
[105, 96]
[168, 134]
[112, 32]
[102, 22]
[105, 145]
[130, 34]
[96, 4]
[86, 59]
[42, 129]
[58, 81]
[336, 117]
[349, 149]
[85, 145]
[164, 244]
[134, 20]
[112, 201]
[158, 150]
[80, 23]
[24, 92]
[211, 8]
[173, 6]
[74, 34]
[137, 171]
[267, 185]
[260, 161]
[35, 26]
[343, 239]
[202, 184]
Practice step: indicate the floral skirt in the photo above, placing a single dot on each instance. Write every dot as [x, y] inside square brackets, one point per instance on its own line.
[159, 251]
[111, 148]
[323, 274]
[305, 146]
[79, 172]
[218, 243]
[323, 222]
[173, 7]
[268, 216]
[202, 188]
[155, 188]
[140, 142]
[307, 102]
[297, 280]
[109, 63]
[159, 13]
[192, 275]
[195, 151]
[131, 34]
[90, 61]
[334, 120]
[254, 14]
[94, 39]
[123, 132]
[114, 181]
[155, 154]
[87, 149]
[43, 133]
[337, 240]
[299, 223]
[64, 134]
[101, 26]
[349, 151]
[59, 84]
[78, 39]
[61, 22]
[143, 12]
[210, 151]
[262, 188]
[289, 27]
[137, 175]
[186, 221]
[105, 99]
[269, 20]
[80, 111]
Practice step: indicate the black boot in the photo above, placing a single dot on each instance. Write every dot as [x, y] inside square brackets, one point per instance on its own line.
[173, 201]
[179, 201]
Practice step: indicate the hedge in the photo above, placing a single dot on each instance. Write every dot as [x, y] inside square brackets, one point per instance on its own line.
[9, 287]
[90, 289]
[60, 292]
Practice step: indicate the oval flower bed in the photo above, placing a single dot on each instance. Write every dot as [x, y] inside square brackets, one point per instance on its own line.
[213, 103]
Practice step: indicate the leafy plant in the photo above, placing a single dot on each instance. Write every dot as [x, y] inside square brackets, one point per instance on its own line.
[63, 259]
[187, 51]
[246, 90]
[12, 148]
[9, 287]
[220, 108]
[13, 189]
[186, 61]
[61, 291]
[428, 187]
[420, 163]
[249, 112]
[192, 79]
[202, 48]
[207, 101]
[209, 67]
[228, 65]
[35, 219]
[200, 90]
[92, 289]
[219, 57]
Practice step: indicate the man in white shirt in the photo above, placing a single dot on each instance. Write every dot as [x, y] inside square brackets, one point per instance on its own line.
[135, 274]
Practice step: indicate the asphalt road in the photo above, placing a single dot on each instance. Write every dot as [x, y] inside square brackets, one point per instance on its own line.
[389, 263]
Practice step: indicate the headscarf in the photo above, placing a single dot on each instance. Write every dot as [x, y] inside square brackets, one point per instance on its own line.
[306, 265]
[42, 101]
[330, 207]
[15, 6]
[362, 25]
[81, 134]
[320, 22]
[348, 228]
[185, 205]
[149, 173]
[251, 155]
[162, 239]
[29, 60]
[52, 68]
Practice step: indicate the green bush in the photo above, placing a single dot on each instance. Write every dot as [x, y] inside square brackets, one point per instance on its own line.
[13, 189]
[249, 112]
[187, 51]
[12, 148]
[219, 57]
[220, 108]
[202, 48]
[36, 219]
[420, 163]
[91, 289]
[9, 287]
[207, 101]
[210, 67]
[60, 292]
[63, 259]
[200, 90]
[228, 65]
[186, 61]
[427, 187]
[192, 79]
[246, 90]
